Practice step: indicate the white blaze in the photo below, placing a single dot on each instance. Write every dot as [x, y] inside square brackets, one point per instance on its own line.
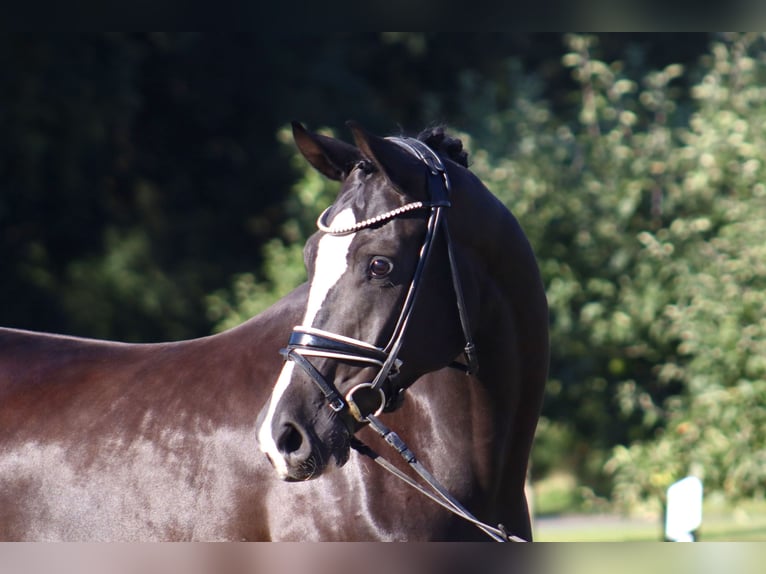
[329, 267]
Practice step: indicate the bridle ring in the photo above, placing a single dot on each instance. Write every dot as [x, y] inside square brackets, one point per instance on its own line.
[354, 408]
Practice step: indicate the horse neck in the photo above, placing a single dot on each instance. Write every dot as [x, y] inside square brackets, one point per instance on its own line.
[512, 326]
[503, 257]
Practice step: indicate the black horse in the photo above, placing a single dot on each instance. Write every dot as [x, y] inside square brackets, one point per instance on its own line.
[109, 441]
[415, 266]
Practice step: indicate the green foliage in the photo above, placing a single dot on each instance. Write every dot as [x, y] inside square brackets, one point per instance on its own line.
[585, 191]
[98, 289]
[714, 251]
[117, 137]
[648, 219]
[169, 137]
[283, 267]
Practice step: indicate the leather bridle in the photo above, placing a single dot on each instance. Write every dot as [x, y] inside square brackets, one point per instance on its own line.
[307, 342]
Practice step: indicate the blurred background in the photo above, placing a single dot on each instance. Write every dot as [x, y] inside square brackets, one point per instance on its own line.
[149, 191]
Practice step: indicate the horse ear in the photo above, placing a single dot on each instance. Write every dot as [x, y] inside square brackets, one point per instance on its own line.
[329, 156]
[404, 171]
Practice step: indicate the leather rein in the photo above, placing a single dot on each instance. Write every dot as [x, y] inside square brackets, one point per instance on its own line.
[306, 342]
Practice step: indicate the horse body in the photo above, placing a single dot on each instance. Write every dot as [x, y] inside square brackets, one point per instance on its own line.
[110, 441]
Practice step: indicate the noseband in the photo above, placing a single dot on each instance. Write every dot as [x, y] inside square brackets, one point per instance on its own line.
[308, 342]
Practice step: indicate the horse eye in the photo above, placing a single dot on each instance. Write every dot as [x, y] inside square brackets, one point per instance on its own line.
[380, 267]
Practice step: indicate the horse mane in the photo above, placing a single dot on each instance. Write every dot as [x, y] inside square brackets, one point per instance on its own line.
[438, 140]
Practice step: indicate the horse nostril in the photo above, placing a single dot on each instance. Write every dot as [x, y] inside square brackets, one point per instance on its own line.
[290, 440]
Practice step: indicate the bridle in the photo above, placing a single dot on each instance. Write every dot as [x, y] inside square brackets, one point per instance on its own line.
[307, 342]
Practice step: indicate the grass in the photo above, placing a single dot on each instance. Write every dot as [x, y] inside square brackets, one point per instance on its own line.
[560, 518]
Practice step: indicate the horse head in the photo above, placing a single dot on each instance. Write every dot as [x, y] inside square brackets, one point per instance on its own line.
[382, 303]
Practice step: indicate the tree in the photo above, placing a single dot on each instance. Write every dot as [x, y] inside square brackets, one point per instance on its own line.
[139, 171]
[283, 267]
[648, 215]
[715, 252]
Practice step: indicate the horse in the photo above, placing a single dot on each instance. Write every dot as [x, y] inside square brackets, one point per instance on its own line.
[107, 441]
[415, 268]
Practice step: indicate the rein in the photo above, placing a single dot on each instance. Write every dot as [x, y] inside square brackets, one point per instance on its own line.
[308, 342]
[438, 493]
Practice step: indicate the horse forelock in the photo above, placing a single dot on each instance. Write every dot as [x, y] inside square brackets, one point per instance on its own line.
[445, 145]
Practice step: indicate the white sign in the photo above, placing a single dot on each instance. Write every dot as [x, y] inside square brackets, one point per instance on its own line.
[684, 510]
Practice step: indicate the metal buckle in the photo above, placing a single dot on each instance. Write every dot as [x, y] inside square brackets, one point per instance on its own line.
[337, 404]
